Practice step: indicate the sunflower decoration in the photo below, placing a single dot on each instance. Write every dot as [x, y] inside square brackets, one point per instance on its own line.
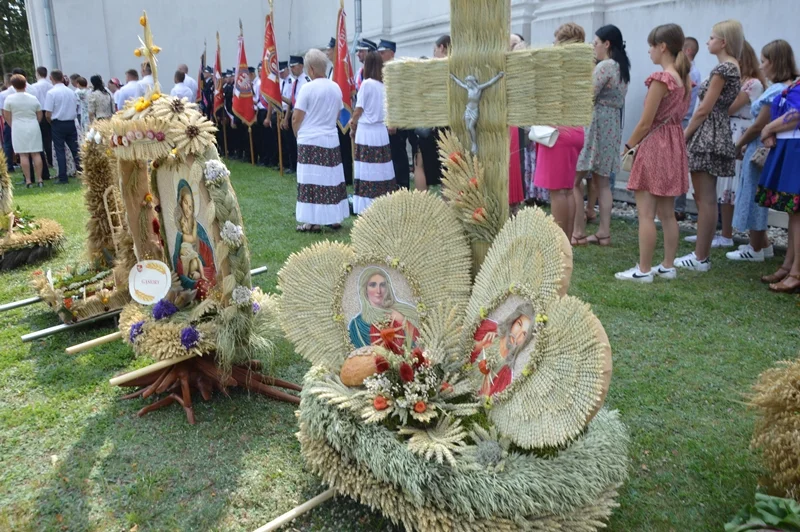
[427, 373]
[171, 108]
[192, 133]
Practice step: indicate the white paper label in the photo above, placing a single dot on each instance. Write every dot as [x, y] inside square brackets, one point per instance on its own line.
[149, 281]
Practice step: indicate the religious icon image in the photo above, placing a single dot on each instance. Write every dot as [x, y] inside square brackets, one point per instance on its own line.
[189, 238]
[382, 319]
[503, 340]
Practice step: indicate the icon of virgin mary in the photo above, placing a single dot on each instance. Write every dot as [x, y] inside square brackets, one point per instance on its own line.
[192, 255]
[383, 321]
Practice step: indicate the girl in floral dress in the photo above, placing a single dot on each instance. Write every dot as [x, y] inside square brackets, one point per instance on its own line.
[660, 170]
[752, 88]
[709, 136]
[600, 156]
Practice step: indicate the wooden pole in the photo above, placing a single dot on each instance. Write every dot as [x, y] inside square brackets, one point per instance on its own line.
[75, 349]
[252, 153]
[279, 131]
[296, 512]
[152, 368]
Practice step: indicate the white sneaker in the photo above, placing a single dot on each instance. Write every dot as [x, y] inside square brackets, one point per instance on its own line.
[692, 238]
[665, 273]
[769, 251]
[690, 262]
[635, 275]
[721, 242]
[746, 253]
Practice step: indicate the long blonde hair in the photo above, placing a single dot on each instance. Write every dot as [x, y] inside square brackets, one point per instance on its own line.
[732, 32]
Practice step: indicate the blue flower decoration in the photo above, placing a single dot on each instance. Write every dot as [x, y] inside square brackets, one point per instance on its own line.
[256, 307]
[164, 309]
[136, 330]
[190, 337]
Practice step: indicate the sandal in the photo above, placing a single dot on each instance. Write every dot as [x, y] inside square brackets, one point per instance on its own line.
[793, 287]
[776, 277]
[308, 228]
[579, 241]
[602, 241]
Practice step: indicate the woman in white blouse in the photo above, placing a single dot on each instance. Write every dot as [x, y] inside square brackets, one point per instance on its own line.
[23, 112]
[374, 172]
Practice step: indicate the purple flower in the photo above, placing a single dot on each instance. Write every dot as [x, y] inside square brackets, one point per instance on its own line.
[136, 330]
[190, 337]
[256, 307]
[164, 309]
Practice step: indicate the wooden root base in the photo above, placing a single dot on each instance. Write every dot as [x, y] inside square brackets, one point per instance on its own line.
[180, 380]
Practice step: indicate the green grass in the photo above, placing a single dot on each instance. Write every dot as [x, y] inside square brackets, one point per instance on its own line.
[73, 456]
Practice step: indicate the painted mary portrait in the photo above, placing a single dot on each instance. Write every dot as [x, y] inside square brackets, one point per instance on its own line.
[509, 336]
[192, 254]
[383, 320]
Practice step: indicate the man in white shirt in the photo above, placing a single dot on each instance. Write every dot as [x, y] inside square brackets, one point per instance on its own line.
[41, 88]
[147, 79]
[180, 90]
[330, 51]
[189, 81]
[60, 108]
[298, 79]
[129, 91]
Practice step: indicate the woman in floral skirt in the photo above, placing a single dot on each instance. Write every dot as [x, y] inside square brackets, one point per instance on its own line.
[600, 155]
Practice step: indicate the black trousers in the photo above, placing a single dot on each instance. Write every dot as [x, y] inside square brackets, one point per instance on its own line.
[47, 140]
[266, 142]
[64, 133]
[402, 170]
[346, 144]
[289, 147]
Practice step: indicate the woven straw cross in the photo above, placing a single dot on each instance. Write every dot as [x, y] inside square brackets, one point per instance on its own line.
[551, 86]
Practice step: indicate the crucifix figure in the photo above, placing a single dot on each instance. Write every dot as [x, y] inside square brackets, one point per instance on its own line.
[548, 86]
[472, 113]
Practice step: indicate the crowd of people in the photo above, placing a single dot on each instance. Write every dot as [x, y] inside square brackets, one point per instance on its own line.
[734, 135]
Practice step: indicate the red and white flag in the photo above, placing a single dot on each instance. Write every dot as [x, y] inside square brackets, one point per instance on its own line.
[343, 70]
[243, 87]
[270, 88]
[219, 97]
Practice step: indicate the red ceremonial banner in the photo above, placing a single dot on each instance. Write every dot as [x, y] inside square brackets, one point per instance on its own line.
[270, 88]
[219, 97]
[243, 89]
[343, 71]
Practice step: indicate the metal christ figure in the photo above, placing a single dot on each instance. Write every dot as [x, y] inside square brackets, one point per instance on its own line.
[471, 113]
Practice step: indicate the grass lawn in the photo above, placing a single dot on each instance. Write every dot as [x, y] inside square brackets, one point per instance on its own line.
[74, 457]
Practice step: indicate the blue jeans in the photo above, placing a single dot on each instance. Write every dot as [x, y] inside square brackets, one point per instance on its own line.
[64, 132]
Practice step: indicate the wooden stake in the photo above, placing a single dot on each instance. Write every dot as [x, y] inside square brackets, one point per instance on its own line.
[296, 512]
[152, 368]
[94, 343]
[252, 153]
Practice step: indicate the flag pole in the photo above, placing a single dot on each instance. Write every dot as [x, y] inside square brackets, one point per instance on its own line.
[225, 135]
[252, 153]
[280, 142]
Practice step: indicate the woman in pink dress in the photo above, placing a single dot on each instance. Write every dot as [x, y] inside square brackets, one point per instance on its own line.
[556, 166]
[661, 169]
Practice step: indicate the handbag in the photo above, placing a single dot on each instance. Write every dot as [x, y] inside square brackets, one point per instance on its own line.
[760, 156]
[630, 155]
[544, 135]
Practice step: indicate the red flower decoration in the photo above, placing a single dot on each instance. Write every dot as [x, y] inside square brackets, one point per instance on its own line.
[479, 214]
[68, 303]
[420, 407]
[455, 157]
[484, 367]
[391, 338]
[446, 387]
[474, 182]
[380, 403]
[156, 226]
[406, 372]
[202, 289]
[381, 364]
[419, 358]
